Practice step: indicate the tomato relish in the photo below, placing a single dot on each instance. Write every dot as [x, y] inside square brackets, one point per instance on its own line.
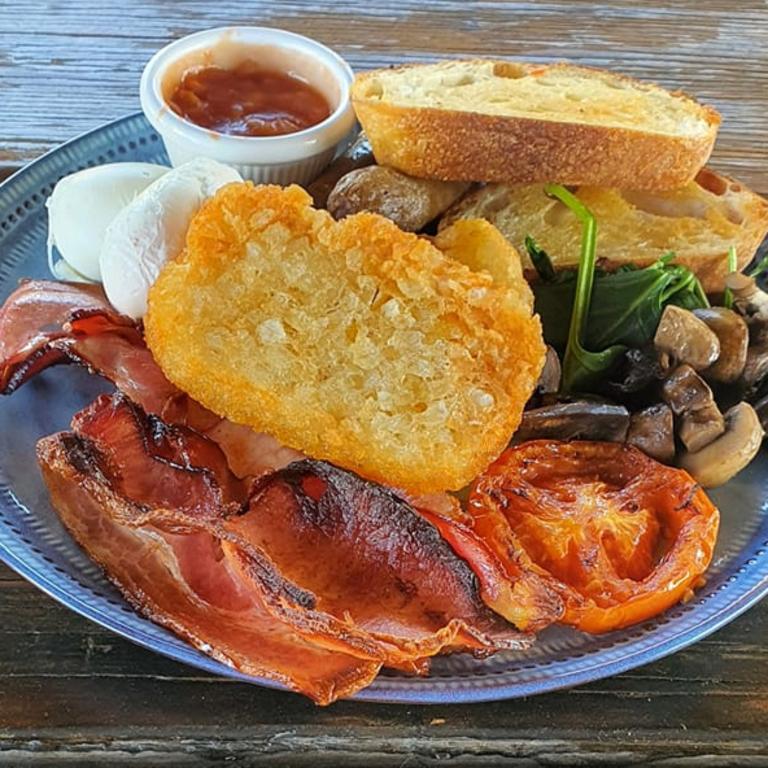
[248, 100]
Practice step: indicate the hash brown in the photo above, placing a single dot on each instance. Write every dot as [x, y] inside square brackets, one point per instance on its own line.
[350, 341]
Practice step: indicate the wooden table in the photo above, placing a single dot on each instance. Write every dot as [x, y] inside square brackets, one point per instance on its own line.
[72, 694]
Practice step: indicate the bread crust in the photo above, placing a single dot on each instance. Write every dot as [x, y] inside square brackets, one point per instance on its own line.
[731, 215]
[456, 145]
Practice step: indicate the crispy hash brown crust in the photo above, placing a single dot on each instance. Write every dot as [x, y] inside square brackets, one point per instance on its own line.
[351, 341]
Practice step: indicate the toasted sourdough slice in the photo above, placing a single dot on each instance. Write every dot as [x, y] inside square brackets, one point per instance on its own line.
[699, 223]
[506, 121]
[351, 341]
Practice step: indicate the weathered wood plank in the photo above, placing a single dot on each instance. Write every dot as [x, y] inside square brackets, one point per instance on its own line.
[284, 748]
[72, 693]
[6, 574]
[85, 49]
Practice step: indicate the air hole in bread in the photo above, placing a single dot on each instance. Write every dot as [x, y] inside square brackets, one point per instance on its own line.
[671, 208]
[713, 183]
[509, 70]
[374, 90]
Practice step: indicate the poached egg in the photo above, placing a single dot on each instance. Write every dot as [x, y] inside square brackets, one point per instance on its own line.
[152, 228]
[81, 208]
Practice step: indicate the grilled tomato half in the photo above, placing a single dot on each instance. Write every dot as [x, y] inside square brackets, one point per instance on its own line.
[619, 536]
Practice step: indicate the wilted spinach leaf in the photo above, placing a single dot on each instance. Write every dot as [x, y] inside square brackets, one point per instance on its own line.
[615, 310]
[626, 305]
[581, 367]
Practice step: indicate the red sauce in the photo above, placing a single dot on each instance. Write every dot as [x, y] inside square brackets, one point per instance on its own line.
[248, 101]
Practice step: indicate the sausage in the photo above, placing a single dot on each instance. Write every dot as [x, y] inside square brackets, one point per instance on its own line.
[357, 155]
[410, 202]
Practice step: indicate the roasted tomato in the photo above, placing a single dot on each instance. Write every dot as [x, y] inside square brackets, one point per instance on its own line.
[621, 537]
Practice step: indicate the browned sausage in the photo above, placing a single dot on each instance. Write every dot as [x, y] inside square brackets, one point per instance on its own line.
[357, 155]
[410, 202]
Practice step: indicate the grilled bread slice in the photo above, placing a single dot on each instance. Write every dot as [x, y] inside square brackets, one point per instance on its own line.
[351, 341]
[512, 122]
[699, 223]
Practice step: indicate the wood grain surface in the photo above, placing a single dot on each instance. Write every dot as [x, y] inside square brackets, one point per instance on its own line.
[68, 66]
[73, 694]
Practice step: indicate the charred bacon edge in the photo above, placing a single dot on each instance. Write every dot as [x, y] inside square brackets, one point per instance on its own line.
[78, 455]
[457, 631]
[151, 431]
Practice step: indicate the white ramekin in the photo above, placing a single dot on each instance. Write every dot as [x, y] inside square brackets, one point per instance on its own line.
[296, 157]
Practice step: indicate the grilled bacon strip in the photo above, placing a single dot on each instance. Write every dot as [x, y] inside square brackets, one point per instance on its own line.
[183, 582]
[38, 310]
[249, 453]
[45, 323]
[160, 465]
[520, 596]
[381, 577]
[344, 563]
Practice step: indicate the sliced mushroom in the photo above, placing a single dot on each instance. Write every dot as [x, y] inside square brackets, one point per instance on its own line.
[652, 430]
[690, 398]
[733, 335]
[549, 380]
[686, 339]
[640, 369]
[580, 420]
[752, 303]
[700, 426]
[358, 155]
[684, 390]
[756, 367]
[730, 453]
[748, 298]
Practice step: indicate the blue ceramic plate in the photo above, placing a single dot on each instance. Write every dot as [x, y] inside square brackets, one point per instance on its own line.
[34, 543]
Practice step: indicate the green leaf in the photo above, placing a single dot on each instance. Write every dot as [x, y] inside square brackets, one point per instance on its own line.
[540, 260]
[732, 266]
[760, 267]
[594, 315]
[581, 368]
[626, 305]
[554, 305]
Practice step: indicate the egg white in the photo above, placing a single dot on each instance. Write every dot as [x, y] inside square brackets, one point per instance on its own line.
[151, 229]
[81, 208]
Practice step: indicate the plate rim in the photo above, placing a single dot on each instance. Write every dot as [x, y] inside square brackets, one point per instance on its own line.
[429, 696]
[631, 656]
